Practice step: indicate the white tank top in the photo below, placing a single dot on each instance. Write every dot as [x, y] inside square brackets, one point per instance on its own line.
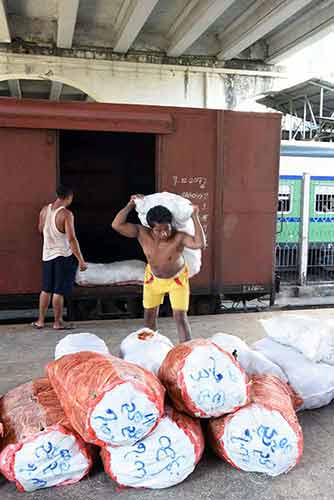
[55, 243]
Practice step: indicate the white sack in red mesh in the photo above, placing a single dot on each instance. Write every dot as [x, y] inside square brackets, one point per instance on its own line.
[146, 348]
[164, 458]
[107, 399]
[204, 380]
[265, 435]
[40, 448]
[253, 362]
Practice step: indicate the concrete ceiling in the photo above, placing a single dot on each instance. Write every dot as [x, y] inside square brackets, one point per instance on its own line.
[265, 30]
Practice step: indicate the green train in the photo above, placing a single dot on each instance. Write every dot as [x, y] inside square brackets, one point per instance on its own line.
[317, 160]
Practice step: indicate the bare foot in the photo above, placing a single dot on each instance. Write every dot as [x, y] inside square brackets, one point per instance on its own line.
[37, 325]
[63, 326]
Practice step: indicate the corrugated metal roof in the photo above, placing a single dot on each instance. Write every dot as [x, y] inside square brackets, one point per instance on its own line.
[281, 100]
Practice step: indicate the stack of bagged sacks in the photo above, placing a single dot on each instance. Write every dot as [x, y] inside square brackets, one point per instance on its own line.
[119, 406]
[94, 398]
[40, 446]
[264, 435]
[253, 424]
[250, 407]
[303, 347]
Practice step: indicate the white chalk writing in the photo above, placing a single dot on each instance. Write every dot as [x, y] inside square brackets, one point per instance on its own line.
[201, 181]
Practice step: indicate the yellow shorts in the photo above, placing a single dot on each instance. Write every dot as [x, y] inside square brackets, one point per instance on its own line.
[177, 288]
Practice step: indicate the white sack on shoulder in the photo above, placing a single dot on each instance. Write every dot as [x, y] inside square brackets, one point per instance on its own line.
[182, 210]
[124, 272]
[180, 207]
[79, 342]
[314, 382]
[146, 348]
[313, 337]
[253, 362]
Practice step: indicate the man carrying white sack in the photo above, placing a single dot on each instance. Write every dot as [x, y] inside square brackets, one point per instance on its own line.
[166, 271]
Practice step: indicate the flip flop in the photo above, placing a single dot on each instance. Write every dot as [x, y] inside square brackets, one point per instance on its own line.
[36, 326]
[65, 327]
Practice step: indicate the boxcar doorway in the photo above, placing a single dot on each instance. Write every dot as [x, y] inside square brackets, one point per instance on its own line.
[105, 169]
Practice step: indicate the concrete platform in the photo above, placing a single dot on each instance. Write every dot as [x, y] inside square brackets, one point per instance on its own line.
[24, 352]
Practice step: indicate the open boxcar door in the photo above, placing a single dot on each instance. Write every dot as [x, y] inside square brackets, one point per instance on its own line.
[248, 194]
[28, 180]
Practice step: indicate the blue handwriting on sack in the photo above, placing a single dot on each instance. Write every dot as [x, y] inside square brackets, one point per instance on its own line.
[59, 459]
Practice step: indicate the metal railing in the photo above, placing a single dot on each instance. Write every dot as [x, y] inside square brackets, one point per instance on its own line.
[320, 262]
[286, 263]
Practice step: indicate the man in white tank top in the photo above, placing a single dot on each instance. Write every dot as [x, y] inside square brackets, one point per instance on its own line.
[61, 251]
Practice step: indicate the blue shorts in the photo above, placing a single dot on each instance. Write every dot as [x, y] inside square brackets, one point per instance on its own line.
[59, 275]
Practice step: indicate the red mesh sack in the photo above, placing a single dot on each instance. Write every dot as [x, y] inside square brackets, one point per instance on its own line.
[39, 447]
[203, 380]
[164, 458]
[264, 436]
[107, 400]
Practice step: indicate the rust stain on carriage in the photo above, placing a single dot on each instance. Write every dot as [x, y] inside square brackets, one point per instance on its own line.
[224, 161]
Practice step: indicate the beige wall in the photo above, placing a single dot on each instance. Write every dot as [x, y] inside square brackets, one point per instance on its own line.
[144, 83]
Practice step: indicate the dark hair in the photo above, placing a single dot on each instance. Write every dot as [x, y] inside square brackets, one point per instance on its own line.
[159, 215]
[64, 191]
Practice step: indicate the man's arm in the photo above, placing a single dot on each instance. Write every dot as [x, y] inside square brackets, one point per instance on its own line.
[197, 241]
[75, 247]
[121, 226]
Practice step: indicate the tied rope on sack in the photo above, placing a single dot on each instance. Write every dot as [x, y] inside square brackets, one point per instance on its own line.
[107, 400]
[40, 449]
[181, 210]
[264, 436]
[164, 458]
[146, 348]
[203, 380]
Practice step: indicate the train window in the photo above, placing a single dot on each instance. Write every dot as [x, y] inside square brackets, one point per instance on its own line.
[284, 199]
[324, 199]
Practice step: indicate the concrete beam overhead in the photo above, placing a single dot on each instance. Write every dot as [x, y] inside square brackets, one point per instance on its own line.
[195, 23]
[304, 31]
[257, 22]
[55, 92]
[4, 27]
[15, 88]
[67, 18]
[131, 18]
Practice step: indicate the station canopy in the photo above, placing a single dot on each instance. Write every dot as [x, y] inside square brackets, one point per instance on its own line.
[310, 103]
